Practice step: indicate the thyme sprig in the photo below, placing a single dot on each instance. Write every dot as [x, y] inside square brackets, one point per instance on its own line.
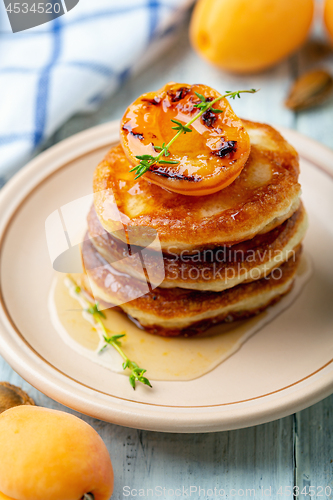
[205, 104]
[137, 373]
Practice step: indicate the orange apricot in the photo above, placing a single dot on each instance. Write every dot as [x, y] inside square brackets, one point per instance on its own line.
[328, 17]
[4, 497]
[207, 158]
[53, 455]
[244, 36]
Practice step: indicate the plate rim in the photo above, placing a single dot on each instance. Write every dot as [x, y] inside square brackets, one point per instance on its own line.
[59, 386]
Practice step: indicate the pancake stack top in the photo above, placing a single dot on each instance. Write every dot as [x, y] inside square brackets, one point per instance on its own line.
[179, 263]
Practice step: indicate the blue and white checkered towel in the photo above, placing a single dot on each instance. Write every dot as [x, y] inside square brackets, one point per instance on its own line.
[50, 72]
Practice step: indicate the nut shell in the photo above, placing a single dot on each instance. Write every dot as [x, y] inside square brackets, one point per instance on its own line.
[311, 89]
[11, 395]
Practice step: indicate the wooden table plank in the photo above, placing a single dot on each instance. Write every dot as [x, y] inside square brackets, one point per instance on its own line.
[314, 449]
[314, 426]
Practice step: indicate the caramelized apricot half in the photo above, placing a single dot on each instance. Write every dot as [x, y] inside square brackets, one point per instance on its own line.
[208, 158]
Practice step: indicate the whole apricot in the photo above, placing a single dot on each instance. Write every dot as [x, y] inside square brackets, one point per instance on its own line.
[245, 36]
[49, 454]
[328, 17]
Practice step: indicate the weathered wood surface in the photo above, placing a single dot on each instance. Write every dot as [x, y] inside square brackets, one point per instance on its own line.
[296, 450]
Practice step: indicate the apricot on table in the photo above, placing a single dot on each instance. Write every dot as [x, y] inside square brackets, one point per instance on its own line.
[53, 455]
[245, 36]
[207, 158]
[328, 17]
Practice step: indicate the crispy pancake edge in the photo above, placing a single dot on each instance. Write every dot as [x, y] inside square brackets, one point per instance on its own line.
[173, 219]
[173, 311]
[226, 267]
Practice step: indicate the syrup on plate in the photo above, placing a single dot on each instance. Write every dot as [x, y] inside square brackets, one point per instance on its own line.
[163, 358]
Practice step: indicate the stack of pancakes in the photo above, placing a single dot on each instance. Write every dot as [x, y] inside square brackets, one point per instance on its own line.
[223, 257]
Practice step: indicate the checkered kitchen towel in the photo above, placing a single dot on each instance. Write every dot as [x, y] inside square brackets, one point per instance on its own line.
[50, 72]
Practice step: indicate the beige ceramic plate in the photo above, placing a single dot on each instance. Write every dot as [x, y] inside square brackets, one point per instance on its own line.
[283, 368]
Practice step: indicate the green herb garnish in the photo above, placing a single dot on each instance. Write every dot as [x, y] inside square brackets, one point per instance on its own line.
[137, 373]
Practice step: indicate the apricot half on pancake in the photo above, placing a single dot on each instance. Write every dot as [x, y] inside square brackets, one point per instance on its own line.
[206, 159]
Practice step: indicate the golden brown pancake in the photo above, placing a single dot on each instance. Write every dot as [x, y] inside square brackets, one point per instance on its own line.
[177, 311]
[264, 195]
[213, 270]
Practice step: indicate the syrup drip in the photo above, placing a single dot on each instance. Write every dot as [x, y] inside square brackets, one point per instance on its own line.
[164, 358]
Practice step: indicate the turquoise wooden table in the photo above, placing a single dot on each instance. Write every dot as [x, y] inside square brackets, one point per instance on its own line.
[264, 461]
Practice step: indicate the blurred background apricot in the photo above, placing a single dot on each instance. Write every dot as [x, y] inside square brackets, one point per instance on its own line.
[328, 17]
[245, 36]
